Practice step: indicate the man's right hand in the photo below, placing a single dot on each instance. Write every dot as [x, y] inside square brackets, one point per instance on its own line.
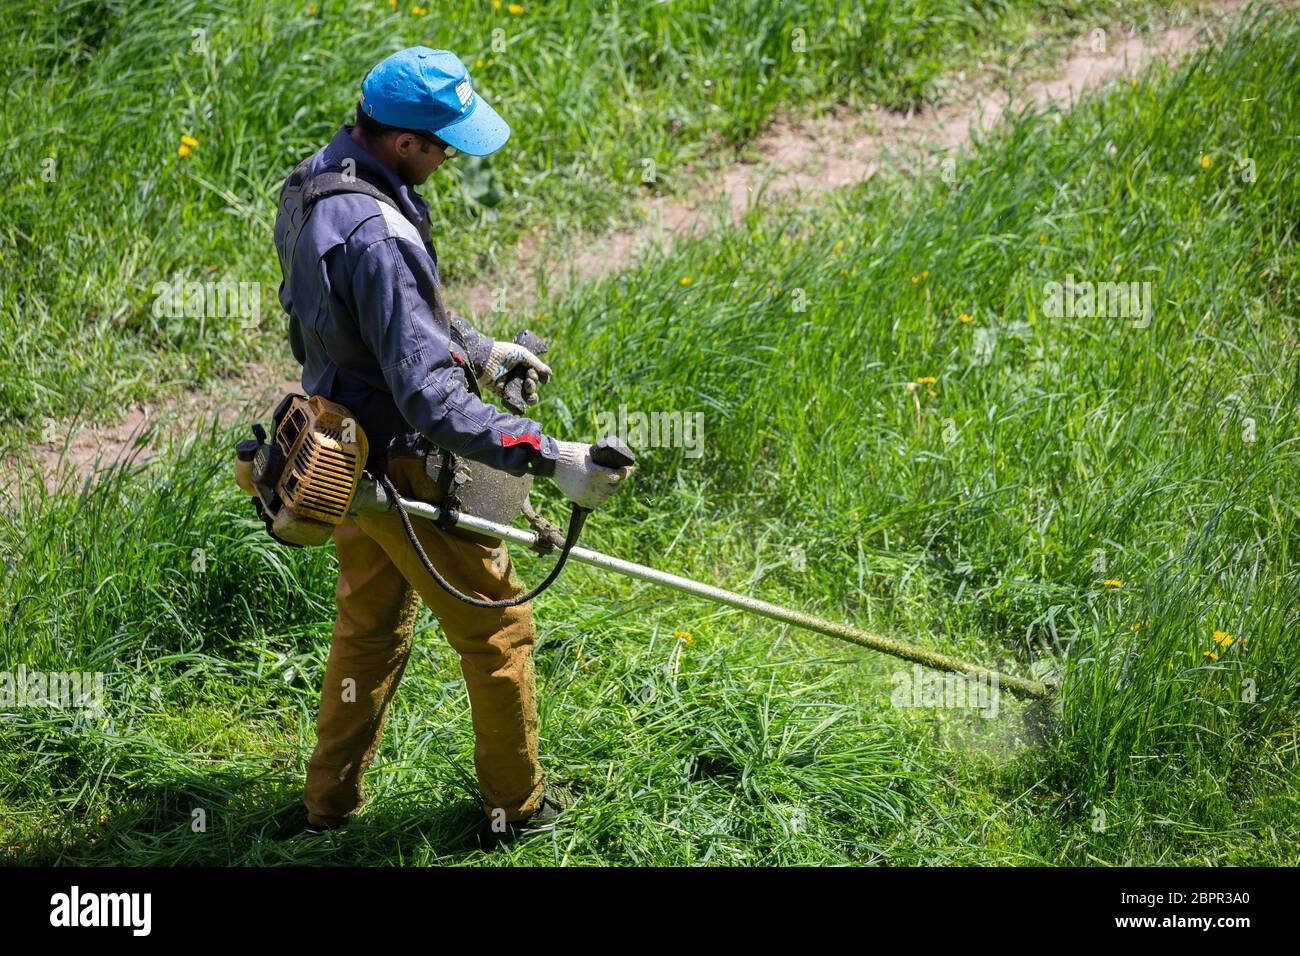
[582, 480]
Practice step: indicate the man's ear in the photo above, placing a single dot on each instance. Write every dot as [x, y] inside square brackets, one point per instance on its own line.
[404, 144]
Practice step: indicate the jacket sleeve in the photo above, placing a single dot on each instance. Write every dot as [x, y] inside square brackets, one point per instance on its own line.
[403, 322]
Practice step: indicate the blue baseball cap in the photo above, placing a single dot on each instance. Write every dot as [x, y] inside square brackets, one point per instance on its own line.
[430, 90]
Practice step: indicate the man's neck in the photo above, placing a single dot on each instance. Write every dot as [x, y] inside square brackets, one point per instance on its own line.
[388, 164]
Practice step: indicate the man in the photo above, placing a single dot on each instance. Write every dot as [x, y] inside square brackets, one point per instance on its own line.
[366, 319]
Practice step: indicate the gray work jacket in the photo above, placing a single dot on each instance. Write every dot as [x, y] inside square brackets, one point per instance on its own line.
[361, 283]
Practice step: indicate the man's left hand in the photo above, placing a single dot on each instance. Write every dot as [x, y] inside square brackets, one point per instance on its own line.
[506, 356]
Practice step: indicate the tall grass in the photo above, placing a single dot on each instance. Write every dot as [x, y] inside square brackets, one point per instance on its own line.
[98, 207]
[1049, 455]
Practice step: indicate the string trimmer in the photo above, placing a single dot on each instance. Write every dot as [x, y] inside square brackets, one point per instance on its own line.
[311, 476]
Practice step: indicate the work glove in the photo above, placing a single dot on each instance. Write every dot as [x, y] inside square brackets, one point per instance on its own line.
[582, 480]
[504, 357]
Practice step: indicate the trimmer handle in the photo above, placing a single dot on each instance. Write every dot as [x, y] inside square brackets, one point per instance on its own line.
[612, 453]
[512, 393]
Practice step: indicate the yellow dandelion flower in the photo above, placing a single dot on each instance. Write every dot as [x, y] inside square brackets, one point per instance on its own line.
[964, 318]
[1205, 162]
[392, 4]
[183, 150]
[1211, 655]
[1222, 638]
[311, 9]
[1118, 268]
[1113, 583]
[1137, 625]
[515, 8]
[684, 636]
[685, 280]
[926, 380]
[915, 279]
[496, 4]
[478, 62]
[418, 11]
[1042, 237]
[925, 273]
[189, 141]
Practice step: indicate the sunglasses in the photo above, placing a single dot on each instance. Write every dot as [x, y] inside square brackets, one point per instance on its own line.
[447, 150]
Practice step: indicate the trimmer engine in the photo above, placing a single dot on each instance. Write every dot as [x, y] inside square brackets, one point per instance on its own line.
[304, 479]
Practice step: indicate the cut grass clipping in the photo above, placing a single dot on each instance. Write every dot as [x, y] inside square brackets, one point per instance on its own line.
[920, 446]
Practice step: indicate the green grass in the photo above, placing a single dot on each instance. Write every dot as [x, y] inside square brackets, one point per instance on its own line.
[97, 207]
[967, 514]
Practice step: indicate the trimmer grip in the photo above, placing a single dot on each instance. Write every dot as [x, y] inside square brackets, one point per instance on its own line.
[612, 453]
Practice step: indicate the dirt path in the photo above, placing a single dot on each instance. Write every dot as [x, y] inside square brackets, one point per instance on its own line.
[795, 158]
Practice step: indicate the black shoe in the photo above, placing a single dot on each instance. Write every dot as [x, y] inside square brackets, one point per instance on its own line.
[554, 802]
[316, 829]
